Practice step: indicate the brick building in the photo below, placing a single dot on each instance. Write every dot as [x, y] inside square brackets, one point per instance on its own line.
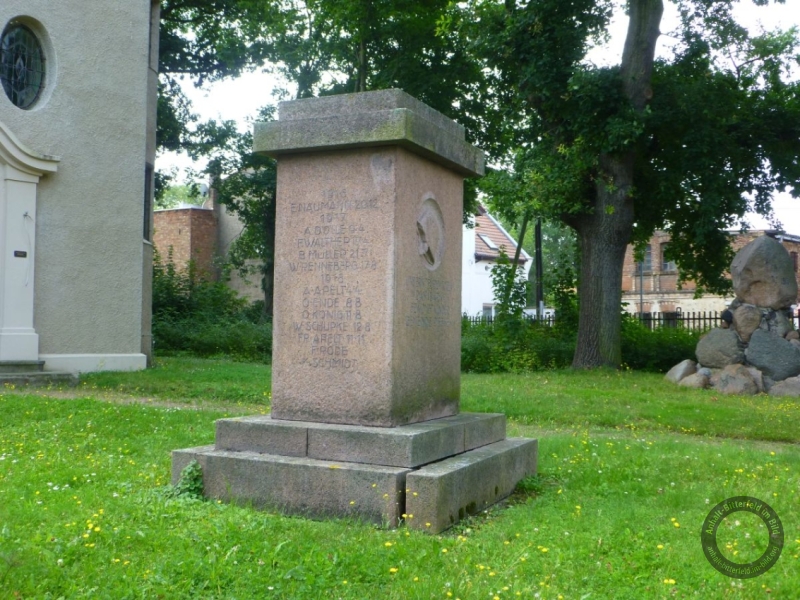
[187, 233]
[203, 234]
[652, 286]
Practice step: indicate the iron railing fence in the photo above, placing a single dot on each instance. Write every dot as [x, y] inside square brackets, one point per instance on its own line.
[653, 320]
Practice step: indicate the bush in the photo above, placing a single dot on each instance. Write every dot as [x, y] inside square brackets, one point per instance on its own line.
[205, 318]
[529, 346]
[659, 349]
[513, 347]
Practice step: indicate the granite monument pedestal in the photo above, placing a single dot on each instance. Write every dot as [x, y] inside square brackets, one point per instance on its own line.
[366, 354]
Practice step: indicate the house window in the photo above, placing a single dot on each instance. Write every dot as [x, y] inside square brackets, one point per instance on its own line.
[21, 65]
[794, 260]
[647, 264]
[488, 311]
[666, 265]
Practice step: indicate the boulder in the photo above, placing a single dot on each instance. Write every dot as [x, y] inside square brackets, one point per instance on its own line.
[682, 369]
[787, 387]
[792, 335]
[774, 356]
[746, 320]
[778, 323]
[735, 379]
[719, 348]
[758, 377]
[763, 274]
[695, 380]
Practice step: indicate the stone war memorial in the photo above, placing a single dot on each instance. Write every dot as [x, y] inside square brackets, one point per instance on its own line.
[365, 418]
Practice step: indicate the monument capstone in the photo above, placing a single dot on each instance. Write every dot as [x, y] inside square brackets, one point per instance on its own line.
[365, 415]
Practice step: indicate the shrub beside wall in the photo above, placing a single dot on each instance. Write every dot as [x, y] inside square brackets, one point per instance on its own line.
[524, 346]
[204, 318]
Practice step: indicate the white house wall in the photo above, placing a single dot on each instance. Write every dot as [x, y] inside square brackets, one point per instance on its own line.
[90, 253]
[476, 281]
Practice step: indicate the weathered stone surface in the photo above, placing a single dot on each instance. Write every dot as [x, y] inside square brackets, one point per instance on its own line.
[746, 320]
[442, 493]
[301, 486]
[758, 377]
[682, 369]
[736, 379]
[405, 446]
[772, 355]
[763, 274]
[379, 344]
[695, 380]
[787, 387]
[262, 434]
[719, 348]
[379, 118]
[778, 323]
[705, 371]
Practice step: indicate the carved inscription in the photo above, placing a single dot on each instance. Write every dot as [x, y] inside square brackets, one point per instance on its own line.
[431, 302]
[332, 253]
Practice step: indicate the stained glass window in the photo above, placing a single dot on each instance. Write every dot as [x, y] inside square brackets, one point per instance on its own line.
[21, 65]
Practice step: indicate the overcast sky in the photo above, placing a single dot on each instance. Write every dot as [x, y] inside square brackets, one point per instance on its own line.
[240, 99]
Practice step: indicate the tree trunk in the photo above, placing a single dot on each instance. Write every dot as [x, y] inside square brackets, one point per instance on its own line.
[602, 238]
[604, 233]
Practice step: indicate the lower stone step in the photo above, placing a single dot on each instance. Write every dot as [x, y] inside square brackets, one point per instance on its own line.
[441, 494]
[437, 495]
[299, 486]
[40, 379]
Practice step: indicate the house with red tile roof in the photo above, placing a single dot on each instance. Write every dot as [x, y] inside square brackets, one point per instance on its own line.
[482, 241]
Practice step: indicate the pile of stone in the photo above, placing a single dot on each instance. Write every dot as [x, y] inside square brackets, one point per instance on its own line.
[756, 349]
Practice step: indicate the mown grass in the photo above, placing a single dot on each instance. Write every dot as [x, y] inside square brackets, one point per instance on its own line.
[188, 380]
[615, 512]
[550, 399]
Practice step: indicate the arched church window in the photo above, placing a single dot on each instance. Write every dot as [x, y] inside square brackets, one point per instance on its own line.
[22, 68]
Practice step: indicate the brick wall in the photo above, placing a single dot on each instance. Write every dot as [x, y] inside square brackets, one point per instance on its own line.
[191, 233]
[656, 288]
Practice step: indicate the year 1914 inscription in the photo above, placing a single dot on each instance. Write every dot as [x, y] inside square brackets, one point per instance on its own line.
[332, 252]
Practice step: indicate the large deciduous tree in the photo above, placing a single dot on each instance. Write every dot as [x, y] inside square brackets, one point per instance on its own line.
[686, 144]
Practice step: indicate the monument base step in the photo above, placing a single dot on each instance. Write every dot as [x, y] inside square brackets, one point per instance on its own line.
[405, 446]
[299, 485]
[438, 473]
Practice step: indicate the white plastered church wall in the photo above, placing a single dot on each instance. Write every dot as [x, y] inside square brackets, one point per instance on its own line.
[88, 304]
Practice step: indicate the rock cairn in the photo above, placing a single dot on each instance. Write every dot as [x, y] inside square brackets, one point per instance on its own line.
[756, 348]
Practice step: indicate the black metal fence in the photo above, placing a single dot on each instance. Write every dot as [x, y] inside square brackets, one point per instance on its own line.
[547, 319]
[653, 320]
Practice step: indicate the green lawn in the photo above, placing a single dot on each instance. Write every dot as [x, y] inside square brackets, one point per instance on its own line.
[629, 468]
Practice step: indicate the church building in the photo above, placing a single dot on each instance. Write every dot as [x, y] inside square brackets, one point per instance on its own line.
[77, 147]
